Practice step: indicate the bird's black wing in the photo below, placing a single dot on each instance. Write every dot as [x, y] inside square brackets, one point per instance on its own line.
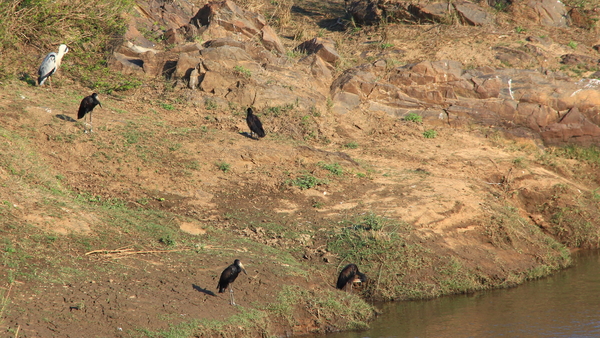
[347, 274]
[256, 126]
[227, 276]
[84, 107]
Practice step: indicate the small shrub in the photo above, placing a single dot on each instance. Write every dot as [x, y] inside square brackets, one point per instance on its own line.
[307, 181]
[412, 117]
[210, 104]
[430, 133]
[334, 168]
[224, 166]
[167, 240]
[167, 106]
[242, 71]
[386, 45]
[351, 145]
[572, 44]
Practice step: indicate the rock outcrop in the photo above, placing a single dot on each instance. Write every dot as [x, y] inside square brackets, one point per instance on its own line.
[522, 101]
[243, 63]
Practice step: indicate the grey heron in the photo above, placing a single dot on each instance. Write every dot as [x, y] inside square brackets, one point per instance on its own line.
[50, 64]
[228, 276]
[87, 105]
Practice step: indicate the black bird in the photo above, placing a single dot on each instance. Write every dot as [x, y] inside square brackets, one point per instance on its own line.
[87, 105]
[228, 276]
[254, 124]
[349, 276]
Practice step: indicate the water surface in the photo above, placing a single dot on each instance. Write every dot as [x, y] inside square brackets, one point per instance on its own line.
[566, 304]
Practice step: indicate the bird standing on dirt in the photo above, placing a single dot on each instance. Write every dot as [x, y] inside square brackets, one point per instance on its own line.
[254, 124]
[193, 83]
[349, 276]
[228, 276]
[87, 105]
[50, 64]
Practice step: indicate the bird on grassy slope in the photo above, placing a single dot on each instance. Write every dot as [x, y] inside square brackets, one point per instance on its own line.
[87, 105]
[228, 276]
[50, 64]
[350, 275]
[193, 83]
[254, 124]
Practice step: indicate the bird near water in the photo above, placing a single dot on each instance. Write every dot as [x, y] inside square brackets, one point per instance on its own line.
[50, 65]
[254, 124]
[87, 106]
[228, 276]
[348, 276]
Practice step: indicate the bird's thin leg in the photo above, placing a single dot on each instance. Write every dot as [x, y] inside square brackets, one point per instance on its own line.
[232, 297]
[91, 125]
[50, 81]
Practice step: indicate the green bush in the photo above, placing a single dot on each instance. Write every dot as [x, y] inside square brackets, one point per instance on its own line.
[412, 117]
[430, 133]
[306, 181]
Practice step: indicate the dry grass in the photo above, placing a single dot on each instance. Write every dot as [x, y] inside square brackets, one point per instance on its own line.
[86, 27]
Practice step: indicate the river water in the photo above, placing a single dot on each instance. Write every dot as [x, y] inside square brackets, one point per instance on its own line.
[566, 304]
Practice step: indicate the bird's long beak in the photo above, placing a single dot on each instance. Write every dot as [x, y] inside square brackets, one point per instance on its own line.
[243, 269]
[100, 104]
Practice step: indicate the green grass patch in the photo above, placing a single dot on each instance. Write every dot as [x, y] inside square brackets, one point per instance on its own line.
[334, 168]
[351, 145]
[223, 166]
[306, 181]
[430, 133]
[344, 311]
[412, 117]
[587, 154]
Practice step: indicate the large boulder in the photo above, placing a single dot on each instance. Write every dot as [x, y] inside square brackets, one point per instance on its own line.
[374, 12]
[232, 18]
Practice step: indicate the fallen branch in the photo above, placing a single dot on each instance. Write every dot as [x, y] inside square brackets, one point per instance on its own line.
[118, 253]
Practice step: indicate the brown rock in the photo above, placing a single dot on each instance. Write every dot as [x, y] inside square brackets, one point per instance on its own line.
[234, 19]
[549, 12]
[173, 37]
[218, 83]
[126, 64]
[270, 40]
[511, 56]
[432, 12]
[579, 60]
[185, 64]
[472, 14]
[322, 47]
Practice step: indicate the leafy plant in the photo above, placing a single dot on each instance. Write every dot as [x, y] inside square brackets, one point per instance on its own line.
[335, 168]
[386, 45]
[412, 117]
[242, 71]
[167, 106]
[430, 133]
[351, 145]
[210, 104]
[224, 166]
[306, 181]
[572, 44]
